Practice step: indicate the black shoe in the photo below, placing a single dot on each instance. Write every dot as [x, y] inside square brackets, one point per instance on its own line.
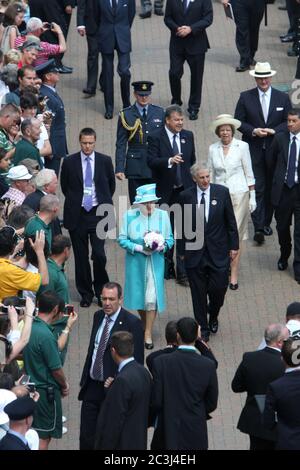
[233, 286]
[193, 115]
[287, 38]
[183, 281]
[145, 14]
[242, 68]
[268, 231]
[170, 273]
[85, 303]
[179, 102]
[64, 69]
[259, 237]
[108, 115]
[214, 325]
[282, 264]
[149, 345]
[298, 281]
[205, 336]
[159, 12]
[88, 91]
[99, 302]
[292, 53]
[282, 7]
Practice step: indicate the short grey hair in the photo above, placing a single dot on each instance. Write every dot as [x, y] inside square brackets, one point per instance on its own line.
[48, 203]
[44, 177]
[199, 166]
[33, 24]
[274, 333]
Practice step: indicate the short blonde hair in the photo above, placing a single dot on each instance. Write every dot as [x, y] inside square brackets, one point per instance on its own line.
[13, 56]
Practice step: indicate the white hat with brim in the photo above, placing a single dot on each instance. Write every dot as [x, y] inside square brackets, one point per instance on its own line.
[6, 397]
[262, 70]
[225, 119]
[146, 193]
[18, 173]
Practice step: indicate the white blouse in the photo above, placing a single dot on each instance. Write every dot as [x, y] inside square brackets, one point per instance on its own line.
[233, 170]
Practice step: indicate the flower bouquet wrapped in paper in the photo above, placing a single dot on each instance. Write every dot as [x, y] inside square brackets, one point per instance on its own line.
[154, 241]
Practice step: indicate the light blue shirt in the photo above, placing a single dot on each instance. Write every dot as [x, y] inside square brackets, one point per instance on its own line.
[141, 108]
[123, 363]
[189, 348]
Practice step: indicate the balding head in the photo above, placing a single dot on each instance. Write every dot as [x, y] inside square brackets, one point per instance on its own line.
[275, 334]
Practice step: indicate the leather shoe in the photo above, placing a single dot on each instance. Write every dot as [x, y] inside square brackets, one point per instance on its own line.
[149, 345]
[159, 12]
[205, 336]
[64, 69]
[282, 265]
[287, 38]
[282, 7]
[259, 237]
[193, 115]
[88, 91]
[145, 14]
[108, 115]
[214, 325]
[170, 273]
[179, 102]
[233, 286]
[183, 281]
[242, 68]
[268, 231]
[85, 303]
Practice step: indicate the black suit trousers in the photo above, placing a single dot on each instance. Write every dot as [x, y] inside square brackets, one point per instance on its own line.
[108, 78]
[208, 285]
[256, 443]
[248, 16]
[289, 205]
[92, 61]
[196, 64]
[259, 170]
[84, 233]
[90, 408]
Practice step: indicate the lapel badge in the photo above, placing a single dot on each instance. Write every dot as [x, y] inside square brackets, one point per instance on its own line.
[214, 202]
[182, 141]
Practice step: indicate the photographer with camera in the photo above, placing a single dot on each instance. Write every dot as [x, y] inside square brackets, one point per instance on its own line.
[43, 364]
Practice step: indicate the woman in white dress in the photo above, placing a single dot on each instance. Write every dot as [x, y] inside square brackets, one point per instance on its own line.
[230, 165]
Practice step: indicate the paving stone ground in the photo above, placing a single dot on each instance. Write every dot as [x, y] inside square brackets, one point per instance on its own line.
[264, 292]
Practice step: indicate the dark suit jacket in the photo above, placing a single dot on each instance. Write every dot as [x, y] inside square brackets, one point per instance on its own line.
[185, 390]
[283, 397]
[58, 139]
[277, 160]
[123, 419]
[254, 374]
[249, 112]
[125, 322]
[220, 232]
[159, 152]
[199, 16]
[114, 30]
[88, 15]
[72, 185]
[11, 442]
[52, 10]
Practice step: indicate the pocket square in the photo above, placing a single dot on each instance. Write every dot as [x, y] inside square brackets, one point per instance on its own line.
[125, 5]
[279, 109]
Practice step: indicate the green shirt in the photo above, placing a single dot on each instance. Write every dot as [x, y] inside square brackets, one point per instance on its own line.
[41, 354]
[35, 224]
[57, 281]
[4, 141]
[25, 149]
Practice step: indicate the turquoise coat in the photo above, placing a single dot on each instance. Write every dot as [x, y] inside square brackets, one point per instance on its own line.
[135, 225]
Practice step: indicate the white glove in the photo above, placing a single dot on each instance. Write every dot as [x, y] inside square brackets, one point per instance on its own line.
[138, 248]
[252, 201]
[160, 248]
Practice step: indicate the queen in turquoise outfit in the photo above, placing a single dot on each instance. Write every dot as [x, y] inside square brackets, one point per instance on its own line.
[144, 269]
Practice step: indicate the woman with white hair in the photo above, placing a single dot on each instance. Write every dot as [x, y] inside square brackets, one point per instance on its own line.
[230, 165]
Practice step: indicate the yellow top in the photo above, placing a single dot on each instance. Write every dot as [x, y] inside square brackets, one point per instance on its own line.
[13, 279]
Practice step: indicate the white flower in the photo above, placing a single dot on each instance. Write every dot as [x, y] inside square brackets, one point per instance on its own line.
[153, 240]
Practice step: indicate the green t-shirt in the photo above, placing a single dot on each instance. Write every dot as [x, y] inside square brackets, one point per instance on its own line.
[41, 354]
[25, 149]
[35, 224]
[4, 141]
[57, 281]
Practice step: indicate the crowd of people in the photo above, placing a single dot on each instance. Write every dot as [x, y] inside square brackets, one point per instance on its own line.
[187, 222]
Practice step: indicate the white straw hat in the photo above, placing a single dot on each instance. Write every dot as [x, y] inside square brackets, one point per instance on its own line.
[262, 70]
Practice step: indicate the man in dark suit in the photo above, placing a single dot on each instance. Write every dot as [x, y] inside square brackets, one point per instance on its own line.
[171, 153]
[283, 158]
[99, 364]
[58, 139]
[123, 419]
[263, 113]
[134, 126]
[88, 20]
[116, 18]
[87, 181]
[253, 376]
[207, 265]
[183, 405]
[20, 413]
[187, 21]
[282, 411]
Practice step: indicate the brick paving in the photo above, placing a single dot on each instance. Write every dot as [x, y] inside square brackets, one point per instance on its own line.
[264, 292]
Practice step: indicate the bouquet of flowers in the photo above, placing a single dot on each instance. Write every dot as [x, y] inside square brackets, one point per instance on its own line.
[154, 241]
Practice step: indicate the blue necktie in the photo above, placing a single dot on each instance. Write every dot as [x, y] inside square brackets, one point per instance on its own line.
[291, 171]
[88, 184]
[178, 178]
[185, 5]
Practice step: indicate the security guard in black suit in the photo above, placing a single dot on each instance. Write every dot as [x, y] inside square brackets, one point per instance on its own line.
[135, 124]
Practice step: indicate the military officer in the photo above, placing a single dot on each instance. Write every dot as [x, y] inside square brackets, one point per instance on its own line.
[135, 124]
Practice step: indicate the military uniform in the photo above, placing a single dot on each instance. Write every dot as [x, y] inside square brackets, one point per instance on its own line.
[131, 145]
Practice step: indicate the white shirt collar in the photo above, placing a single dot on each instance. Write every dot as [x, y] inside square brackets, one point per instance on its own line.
[123, 363]
[295, 135]
[171, 134]
[83, 156]
[292, 369]
[267, 93]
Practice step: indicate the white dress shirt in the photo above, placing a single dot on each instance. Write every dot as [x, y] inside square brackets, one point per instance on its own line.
[83, 165]
[207, 199]
[297, 154]
[123, 363]
[171, 139]
[267, 97]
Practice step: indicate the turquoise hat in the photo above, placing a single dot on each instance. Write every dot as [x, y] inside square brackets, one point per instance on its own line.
[146, 193]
